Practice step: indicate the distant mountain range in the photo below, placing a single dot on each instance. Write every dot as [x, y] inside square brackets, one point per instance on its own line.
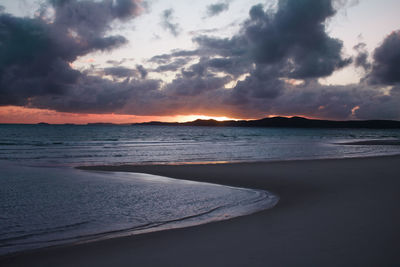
[283, 122]
[278, 122]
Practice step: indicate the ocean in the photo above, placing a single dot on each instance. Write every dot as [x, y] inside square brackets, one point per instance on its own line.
[75, 145]
[44, 201]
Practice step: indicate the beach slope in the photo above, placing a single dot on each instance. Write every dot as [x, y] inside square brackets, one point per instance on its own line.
[341, 212]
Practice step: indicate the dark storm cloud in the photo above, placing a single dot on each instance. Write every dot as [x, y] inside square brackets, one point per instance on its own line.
[383, 107]
[88, 21]
[357, 101]
[262, 83]
[282, 52]
[124, 9]
[216, 9]
[35, 54]
[92, 94]
[386, 66]
[195, 85]
[289, 43]
[31, 63]
[172, 66]
[361, 60]
[296, 36]
[234, 66]
[292, 39]
[142, 70]
[271, 66]
[167, 22]
[119, 71]
[198, 69]
[119, 62]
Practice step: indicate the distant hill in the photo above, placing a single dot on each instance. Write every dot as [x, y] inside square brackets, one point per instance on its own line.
[283, 122]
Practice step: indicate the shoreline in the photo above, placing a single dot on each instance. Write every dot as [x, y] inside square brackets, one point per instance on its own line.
[356, 203]
[104, 167]
[220, 203]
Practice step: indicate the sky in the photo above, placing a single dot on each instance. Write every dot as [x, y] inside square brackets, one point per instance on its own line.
[123, 61]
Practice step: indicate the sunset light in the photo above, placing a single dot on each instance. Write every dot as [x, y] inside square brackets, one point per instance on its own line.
[15, 114]
[186, 118]
[199, 133]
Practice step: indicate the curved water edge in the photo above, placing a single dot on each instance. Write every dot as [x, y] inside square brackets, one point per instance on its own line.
[266, 200]
[42, 207]
[373, 142]
[51, 203]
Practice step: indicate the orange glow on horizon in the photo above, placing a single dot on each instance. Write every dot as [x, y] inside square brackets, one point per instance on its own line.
[15, 114]
[186, 118]
[23, 115]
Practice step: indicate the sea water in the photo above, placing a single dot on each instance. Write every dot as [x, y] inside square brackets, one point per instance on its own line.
[41, 206]
[45, 202]
[72, 145]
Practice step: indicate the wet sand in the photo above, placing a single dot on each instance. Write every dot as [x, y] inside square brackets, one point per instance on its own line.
[341, 212]
[374, 143]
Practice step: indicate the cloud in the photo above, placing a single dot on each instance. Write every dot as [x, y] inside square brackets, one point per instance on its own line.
[386, 66]
[93, 94]
[124, 9]
[167, 22]
[165, 58]
[172, 66]
[120, 72]
[273, 46]
[142, 70]
[35, 54]
[195, 85]
[216, 9]
[270, 66]
[361, 60]
[295, 36]
[292, 39]
[119, 62]
[281, 53]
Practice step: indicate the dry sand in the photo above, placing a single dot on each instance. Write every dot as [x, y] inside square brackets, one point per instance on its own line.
[331, 213]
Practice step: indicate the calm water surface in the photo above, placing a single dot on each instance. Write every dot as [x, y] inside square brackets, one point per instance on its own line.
[45, 202]
[92, 145]
[42, 206]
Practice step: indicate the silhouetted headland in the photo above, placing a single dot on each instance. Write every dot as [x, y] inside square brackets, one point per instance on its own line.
[293, 122]
[274, 122]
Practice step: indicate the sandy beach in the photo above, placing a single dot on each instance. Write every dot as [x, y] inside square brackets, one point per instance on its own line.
[342, 212]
